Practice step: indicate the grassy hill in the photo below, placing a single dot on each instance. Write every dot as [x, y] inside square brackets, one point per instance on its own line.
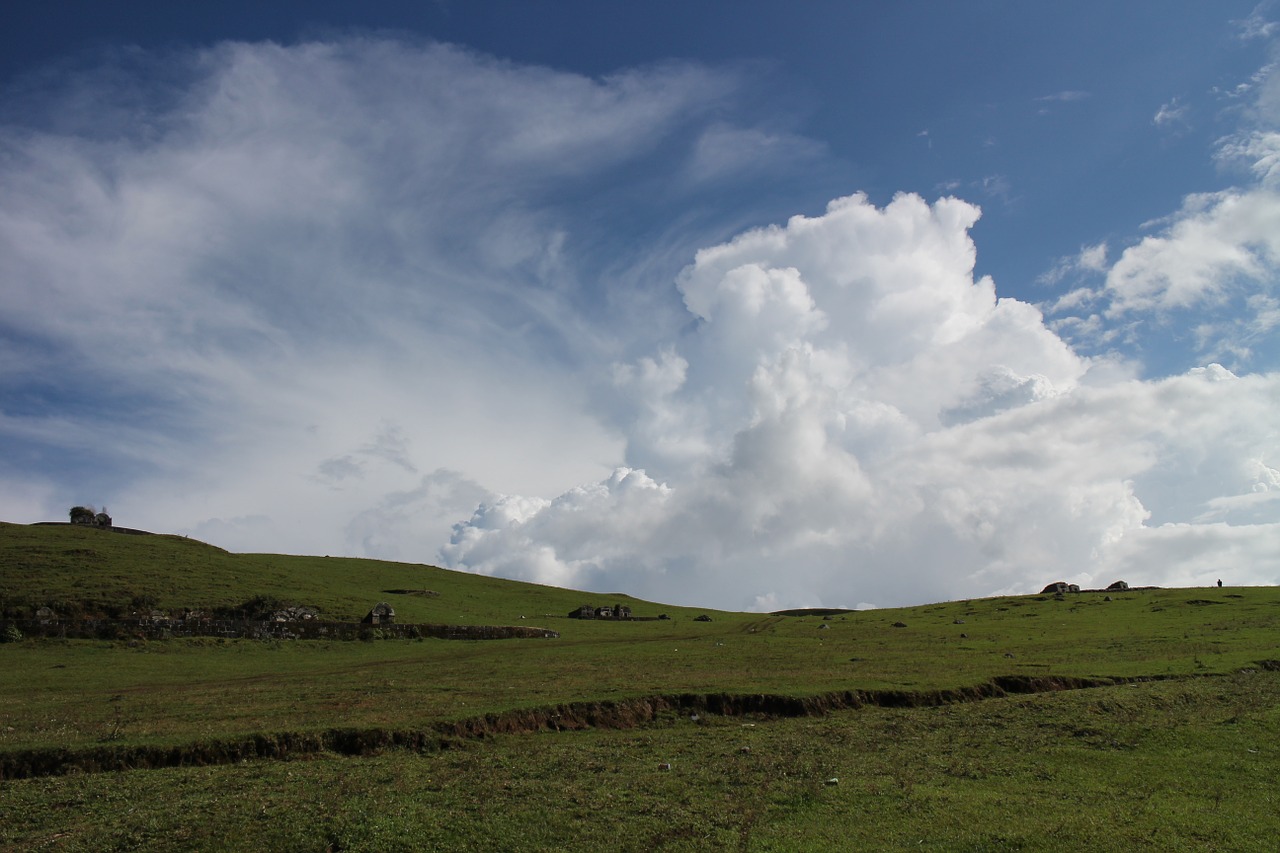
[1181, 746]
[79, 569]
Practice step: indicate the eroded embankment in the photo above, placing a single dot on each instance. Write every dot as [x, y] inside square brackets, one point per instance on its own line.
[572, 716]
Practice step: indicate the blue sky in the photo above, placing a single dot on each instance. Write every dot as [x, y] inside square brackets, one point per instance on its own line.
[849, 304]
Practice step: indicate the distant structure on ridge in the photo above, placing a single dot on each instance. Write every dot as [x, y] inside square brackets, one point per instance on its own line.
[86, 516]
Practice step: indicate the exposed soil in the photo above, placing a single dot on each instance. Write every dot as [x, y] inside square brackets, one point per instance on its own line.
[573, 716]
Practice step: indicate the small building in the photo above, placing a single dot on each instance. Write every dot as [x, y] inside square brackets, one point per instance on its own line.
[586, 611]
[381, 614]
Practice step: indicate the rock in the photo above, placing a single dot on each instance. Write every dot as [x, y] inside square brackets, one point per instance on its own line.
[833, 781]
[666, 765]
[899, 624]
[964, 636]
[746, 750]
[1118, 586]
[958, 622]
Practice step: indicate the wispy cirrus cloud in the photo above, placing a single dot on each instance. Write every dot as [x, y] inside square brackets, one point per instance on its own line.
[384, 297]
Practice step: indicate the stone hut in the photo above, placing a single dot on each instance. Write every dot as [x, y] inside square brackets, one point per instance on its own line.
[381, 614]
[586, 611]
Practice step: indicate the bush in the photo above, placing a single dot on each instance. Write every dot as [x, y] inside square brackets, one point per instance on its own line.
[11, 634]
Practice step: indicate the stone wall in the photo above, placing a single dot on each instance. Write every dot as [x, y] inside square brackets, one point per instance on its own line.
[165, 629]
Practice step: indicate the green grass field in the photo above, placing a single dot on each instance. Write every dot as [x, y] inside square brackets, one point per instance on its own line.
[1187, 761]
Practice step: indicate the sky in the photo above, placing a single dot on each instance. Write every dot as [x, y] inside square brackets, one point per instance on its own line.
[829, 304]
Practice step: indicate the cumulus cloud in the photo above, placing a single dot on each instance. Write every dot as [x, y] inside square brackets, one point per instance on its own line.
[1217, 242]
[347, 298]
[862, 420]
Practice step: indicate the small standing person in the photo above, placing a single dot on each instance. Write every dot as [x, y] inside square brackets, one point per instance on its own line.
[1219, 583]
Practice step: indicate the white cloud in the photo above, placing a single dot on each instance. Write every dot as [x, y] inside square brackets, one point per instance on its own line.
[1090, 259]
[1067, 95]
[725, 152]
[1257, 25]
[1259, 150]
[1219, 255]
[859, 414]
[1171, 114]
[1217, 242]
[310, 274]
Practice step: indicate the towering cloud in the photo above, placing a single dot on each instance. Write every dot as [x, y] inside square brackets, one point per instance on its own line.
[853, 418]
[397, 299]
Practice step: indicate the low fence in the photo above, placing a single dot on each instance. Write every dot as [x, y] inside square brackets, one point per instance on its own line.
[166, 629]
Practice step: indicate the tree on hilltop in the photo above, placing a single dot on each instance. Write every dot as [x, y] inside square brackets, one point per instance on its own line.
[88, 516]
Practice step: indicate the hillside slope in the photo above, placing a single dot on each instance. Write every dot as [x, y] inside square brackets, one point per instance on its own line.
[75, 570]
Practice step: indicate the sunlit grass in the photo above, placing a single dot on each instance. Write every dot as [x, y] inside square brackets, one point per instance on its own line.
[1170, 765]
[1181, 763]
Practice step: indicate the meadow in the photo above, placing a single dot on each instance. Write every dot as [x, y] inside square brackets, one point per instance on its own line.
[747, 732]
